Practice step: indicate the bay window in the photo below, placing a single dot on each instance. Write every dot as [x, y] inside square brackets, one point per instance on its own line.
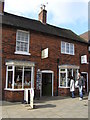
[65, 72]
[63, 78]
[18, 75]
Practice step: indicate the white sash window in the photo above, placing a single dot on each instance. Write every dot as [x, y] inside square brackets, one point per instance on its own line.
[22, 42]
[67, 48]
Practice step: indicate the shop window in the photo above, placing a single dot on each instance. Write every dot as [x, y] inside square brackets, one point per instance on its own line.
[10, 67]
[18, 77]
[27, 77]
[63, 79]
[65, 75]
[62, 69]
[69, 74]
[10, 75]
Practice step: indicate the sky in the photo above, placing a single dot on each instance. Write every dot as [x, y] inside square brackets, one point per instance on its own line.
[68, 14]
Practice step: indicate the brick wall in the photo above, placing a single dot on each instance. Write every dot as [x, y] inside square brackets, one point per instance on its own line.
[39, 41]
[66, 92]
[14, 96]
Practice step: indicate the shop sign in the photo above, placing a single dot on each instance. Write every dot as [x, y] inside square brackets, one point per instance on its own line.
[83, 59]
[44, 53]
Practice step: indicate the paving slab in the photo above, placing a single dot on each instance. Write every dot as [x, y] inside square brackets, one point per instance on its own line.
[48, 107]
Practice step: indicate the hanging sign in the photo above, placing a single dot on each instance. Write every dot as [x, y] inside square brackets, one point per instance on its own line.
[83, 59]
[44, 53]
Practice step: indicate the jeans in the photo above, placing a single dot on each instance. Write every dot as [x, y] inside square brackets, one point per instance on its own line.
[80, 91]
[72, 94]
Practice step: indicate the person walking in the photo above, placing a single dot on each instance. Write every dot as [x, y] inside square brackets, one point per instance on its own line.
[81, 84]
[72, 86]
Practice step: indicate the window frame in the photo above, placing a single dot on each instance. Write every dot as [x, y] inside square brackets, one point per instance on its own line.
[23, 52]
[65, 52]
[13, 76]
[66, 72]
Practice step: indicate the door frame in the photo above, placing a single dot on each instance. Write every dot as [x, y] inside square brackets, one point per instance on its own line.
[47, 71]
[87, 78]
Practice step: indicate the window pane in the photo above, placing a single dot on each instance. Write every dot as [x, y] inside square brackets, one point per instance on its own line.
[63, 47]
[25, 47]
[27, 77]
[69, 74]
[62, 69]
[63, 79]
[18, 46]
[26, 37]
[10, 75]
[18, 77]
[71, 49]
[22, 46]
[9, 67]
[67, 47]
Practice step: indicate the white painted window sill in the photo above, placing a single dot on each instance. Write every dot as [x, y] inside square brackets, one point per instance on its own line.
[9, 89]
[63, 87]
[23, 53]
[67, 53]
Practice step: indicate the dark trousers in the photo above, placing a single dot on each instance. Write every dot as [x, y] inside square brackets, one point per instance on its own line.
[73, 94]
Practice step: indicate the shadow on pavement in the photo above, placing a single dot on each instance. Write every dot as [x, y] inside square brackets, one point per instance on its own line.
[44, 99]
[45, 106]
[41, 100]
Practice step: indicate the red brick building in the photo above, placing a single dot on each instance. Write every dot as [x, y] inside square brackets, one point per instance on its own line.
[40, 56]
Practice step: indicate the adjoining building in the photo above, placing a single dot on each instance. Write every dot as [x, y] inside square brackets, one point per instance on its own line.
[40, 56]
[86, 36]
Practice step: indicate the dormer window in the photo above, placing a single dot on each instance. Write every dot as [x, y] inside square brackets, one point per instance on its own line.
[22, 42]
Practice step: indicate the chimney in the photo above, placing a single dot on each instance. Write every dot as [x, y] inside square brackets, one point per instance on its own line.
[43, 15]
[1, 6]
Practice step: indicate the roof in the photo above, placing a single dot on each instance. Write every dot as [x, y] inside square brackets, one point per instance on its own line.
[30, 24]
[86, 36]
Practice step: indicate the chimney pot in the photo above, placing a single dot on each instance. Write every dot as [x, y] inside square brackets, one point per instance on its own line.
[2, 7]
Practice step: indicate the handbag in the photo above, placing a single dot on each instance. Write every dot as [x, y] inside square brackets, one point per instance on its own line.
[76, 84]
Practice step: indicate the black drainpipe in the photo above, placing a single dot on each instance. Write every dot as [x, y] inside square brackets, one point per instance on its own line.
[57, 74]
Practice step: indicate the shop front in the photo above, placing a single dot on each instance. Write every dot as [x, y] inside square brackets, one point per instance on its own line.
[45, 83]
[65, 72]
[19, 76]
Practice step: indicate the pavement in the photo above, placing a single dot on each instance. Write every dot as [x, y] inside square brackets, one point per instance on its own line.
[47, 107]
[89, 96]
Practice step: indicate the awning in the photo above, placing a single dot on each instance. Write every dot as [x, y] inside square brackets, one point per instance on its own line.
[20, 63]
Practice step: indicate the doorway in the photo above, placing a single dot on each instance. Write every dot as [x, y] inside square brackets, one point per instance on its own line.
[47, 83]
[85, 75]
